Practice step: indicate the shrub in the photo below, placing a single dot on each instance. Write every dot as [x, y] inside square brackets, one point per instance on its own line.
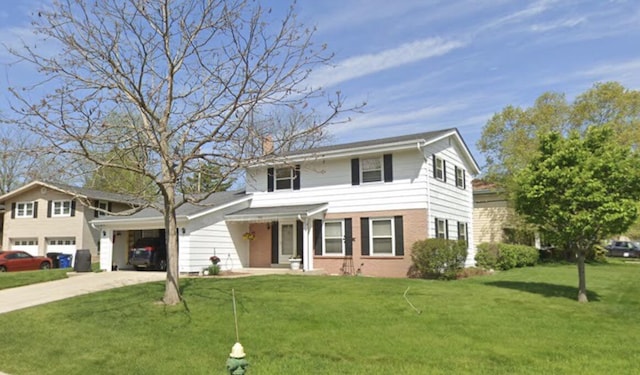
[505, 256]
[214, 269]
[437, 258]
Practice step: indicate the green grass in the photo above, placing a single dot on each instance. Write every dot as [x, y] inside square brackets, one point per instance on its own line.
[523, 321]
[14, 279]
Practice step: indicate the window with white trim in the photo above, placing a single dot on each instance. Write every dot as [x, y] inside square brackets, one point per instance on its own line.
[462, 231]
[460, 178]
[333, 237]
[284, 178]
[382, 236]
[24, 209]
[441, 228]
[102, 205]
[371, 169]
[439, 168]
[61, 208]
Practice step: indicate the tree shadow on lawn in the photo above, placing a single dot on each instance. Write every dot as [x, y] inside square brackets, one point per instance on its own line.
[545, 289]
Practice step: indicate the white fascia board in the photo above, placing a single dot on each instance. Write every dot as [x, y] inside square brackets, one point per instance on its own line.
[405, 145]
[127, 223]
[217, 208]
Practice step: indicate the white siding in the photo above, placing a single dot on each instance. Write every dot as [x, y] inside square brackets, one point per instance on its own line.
[210, 235]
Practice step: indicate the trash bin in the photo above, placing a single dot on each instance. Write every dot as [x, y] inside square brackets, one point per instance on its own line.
[65, 260]
[55, 263]
[83, 261]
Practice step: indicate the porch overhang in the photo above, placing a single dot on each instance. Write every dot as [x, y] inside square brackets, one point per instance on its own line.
[267, 214]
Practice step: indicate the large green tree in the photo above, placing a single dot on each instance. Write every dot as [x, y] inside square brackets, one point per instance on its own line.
[579, 189]
[193, 72]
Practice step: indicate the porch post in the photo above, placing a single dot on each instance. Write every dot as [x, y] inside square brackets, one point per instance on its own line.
[307, 232]
[106, 249]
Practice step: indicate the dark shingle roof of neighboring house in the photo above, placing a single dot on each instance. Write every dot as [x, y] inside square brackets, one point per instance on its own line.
[74, 191]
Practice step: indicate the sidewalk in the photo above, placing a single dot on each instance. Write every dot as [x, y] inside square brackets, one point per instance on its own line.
[77, 284]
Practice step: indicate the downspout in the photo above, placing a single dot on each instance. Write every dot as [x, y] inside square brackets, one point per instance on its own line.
[426, 161]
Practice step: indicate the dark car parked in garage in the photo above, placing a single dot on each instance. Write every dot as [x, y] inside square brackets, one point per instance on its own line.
[626, 249]
[16, 260]
[149, 253]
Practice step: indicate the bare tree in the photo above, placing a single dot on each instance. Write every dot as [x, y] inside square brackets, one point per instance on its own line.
[192, 71]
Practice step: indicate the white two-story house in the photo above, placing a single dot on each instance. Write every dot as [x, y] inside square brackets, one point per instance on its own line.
[352, 208]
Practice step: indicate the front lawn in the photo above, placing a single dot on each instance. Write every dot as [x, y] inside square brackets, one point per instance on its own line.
[523, 321]
[15, 279]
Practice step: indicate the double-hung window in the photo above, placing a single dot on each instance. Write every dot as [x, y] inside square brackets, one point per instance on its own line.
[284, 178]
[333, 237]
[439, 168]
[462, 231]
[24, 209]
[460, 178]
[441, 228]
[371, 170]
[382, 242]
[61, 208]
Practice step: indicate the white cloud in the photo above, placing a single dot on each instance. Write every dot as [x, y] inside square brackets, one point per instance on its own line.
[558, 24]
[625, 72]
[359, 66]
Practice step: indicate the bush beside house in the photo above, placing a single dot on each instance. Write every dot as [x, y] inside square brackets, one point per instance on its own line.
[503, 256]
[438, 258]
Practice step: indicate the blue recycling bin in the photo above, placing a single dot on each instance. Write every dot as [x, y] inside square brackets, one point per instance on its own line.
[65, 260]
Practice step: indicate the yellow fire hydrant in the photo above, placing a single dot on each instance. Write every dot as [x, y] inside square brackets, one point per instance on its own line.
[236, 363]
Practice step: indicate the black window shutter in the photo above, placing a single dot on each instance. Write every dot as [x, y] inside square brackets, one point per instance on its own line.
[435, 173]
[364, 234]
[464, 179]
[455, 174]
[446, 229]
[317, 237]
[35, 209]
[444, 170]
[109, 206]
[73, 207]
[300, 239]
[399, 232]
[296, 177]
[270, 177]
[436, 228]
[388, 168]
[348, 237]
[274, 242]
[466, 233]
[96, 204]
[13, 210]
[49, 208]
[355, 171]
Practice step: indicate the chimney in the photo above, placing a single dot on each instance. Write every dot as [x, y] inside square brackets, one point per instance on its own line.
[267, 145]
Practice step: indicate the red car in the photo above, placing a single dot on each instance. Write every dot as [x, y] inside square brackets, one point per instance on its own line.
[14, 260]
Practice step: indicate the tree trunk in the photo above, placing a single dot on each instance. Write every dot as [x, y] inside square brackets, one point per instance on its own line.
[582, 278]
[172, 285]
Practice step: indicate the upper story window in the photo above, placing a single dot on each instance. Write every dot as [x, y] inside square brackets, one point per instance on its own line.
[371, 170]
[25, 209]
[460, 178]
[103, 206]
[61, 208]
[283, 178]
[439, 168]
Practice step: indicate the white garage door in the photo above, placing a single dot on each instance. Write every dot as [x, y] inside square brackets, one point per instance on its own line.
[30, 245]
[65, 245]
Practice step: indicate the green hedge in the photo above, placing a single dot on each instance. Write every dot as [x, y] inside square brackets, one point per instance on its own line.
[437, 258]
[503, 256]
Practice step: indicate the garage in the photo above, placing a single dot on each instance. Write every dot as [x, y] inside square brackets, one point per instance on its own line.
[64, 245]
[30, 245]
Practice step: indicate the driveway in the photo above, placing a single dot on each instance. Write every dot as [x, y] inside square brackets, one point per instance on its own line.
[77, 284]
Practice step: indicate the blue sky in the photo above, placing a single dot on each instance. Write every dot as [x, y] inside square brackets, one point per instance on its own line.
[424, 65]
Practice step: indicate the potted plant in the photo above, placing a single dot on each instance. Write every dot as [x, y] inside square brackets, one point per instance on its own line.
[295, 261]
[214, 268]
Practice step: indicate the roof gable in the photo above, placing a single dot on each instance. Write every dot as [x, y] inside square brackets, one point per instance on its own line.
[73, 191]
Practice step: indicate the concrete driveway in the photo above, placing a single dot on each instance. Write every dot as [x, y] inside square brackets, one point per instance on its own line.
[77, 284]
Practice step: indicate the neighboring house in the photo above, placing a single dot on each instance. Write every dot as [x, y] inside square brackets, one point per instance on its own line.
[44, 217]
[494, 220]
[345, 209]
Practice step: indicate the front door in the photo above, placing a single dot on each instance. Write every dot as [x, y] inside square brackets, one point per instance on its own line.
[287, 242]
